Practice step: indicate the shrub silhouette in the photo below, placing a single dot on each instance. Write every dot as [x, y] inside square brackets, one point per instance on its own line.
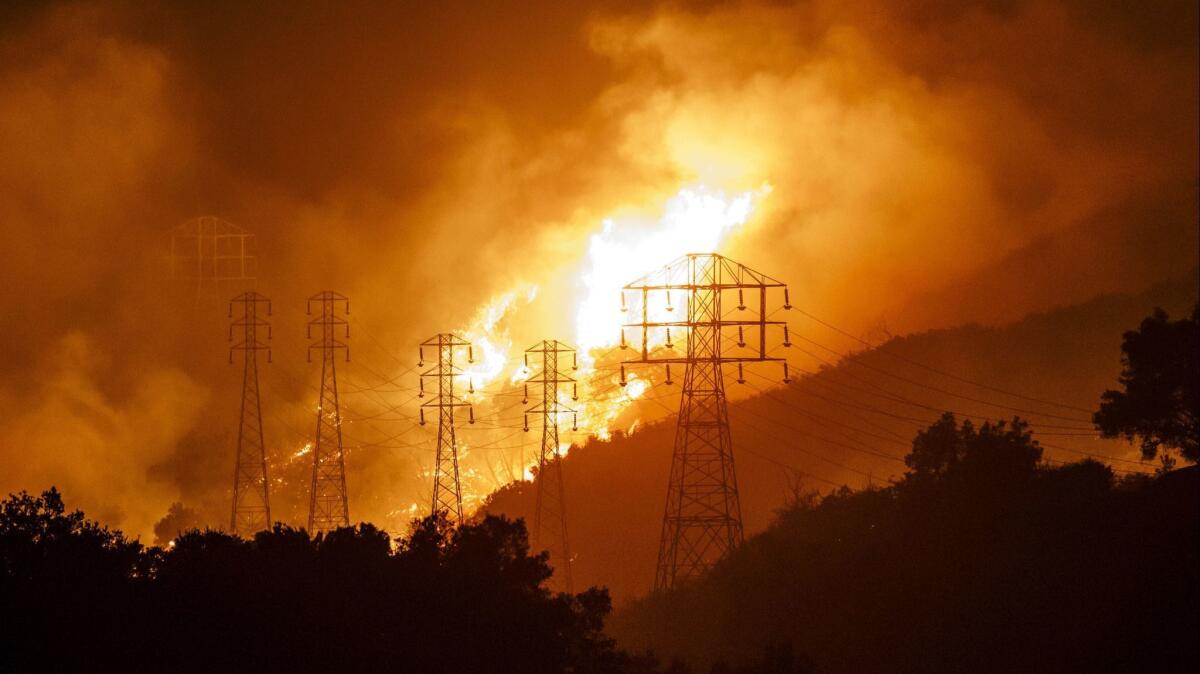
[979, 560]
[77, 596]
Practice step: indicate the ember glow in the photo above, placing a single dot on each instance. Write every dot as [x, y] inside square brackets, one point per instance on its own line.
[696, 218]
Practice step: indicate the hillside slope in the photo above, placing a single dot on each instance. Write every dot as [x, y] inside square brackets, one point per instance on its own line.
[849, 420]
[1058, 572]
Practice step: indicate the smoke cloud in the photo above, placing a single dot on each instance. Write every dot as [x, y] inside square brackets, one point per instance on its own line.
[928, 164]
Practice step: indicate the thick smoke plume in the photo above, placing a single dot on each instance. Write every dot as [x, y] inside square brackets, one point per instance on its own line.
[928, 164]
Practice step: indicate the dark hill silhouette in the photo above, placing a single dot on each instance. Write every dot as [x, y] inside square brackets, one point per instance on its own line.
[1073, 264]
[979, 562]
[853, 421]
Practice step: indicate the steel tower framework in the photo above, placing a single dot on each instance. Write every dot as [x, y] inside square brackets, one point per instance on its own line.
[447, 489]
[550, 515]
[213, 254]
[251, 500]
[702, 520]
[328, 508]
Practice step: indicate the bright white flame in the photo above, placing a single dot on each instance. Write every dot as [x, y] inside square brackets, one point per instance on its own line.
[490, 339]
[695, 221]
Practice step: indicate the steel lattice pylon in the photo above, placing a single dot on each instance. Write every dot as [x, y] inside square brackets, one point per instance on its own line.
[213, 255]
[702, 520]
[550, 515]
[328, 508]
[251, 500]
[447, 490]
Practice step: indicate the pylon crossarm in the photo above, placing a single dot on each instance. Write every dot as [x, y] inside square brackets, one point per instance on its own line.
[257, 346]
[552, 347]
[448, 340]
[720, 323]
[553, 409]
[444, 371]
[685, 360]
[456, 403]
[706, 286]
[245, 322]
[726, 275]
[559, 380]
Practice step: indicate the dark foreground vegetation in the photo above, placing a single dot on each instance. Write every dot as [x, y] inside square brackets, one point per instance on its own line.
[980, 560]
[983, 558]
[78, 597]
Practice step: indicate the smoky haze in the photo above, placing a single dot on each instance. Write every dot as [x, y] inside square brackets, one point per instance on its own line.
[927, 165]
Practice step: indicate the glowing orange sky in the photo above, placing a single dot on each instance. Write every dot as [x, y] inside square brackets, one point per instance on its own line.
[910, 163]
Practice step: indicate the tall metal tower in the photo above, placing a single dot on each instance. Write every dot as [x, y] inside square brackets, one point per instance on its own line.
[447, 490]
[550, 516]
[211, 254]
[327, 505]
[251, 501]
[702, 519]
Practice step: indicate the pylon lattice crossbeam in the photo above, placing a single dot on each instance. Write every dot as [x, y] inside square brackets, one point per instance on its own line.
[702, 519]
[328, 506]
[213, 254]
[251, 510]
[550, 515]
[447, 487]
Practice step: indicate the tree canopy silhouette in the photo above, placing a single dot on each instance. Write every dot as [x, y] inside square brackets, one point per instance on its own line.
[998, 451]
[1159, 402]
[470, 598]
[981, 559]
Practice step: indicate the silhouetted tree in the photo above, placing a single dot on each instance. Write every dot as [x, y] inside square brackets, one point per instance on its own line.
[1159, 404]
[75, 596]
[996, 452]
[981, 559]
[65, 583]
[937, 449]
[179, 518]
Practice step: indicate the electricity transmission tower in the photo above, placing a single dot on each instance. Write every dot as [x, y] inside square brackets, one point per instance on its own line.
[251, 502]
[550, 516]
[211, 254]
[327, 506]
[702, 519]
[447, 490]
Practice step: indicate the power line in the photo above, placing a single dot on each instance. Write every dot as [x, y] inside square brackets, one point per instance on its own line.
[856, 361]
[923, 423]
[930, 368]
[895, 397]
[782, 441]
